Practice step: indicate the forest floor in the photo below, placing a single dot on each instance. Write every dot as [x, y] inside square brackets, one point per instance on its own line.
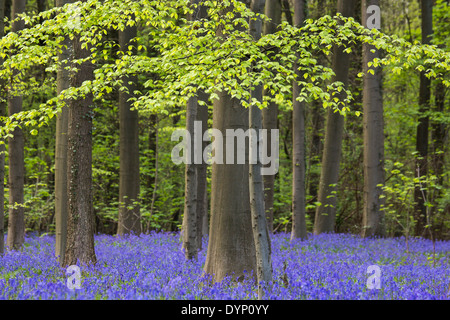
[152, 266]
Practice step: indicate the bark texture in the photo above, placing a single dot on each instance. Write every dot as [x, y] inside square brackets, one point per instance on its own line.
[129, 180]
[202, 185]
[326, 212]
[190, 222]
[16, 223]
[299, 152]
[195, 207]
[80, 222]
[231, 247]
[256, 184]
[272, 10]
[62, 124]
[373, 126]
[420, 194]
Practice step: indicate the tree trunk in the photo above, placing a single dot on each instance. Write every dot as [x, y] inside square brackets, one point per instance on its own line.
[256, 185]
[438, 134]
[373, 216]
[152, 180]
[190, 240]
[129, 181]
[16, 223]
[231, 248]
[270, 114]
[194, 207]
[154, 145]
[298, 138]
[2, 145]
[326, 212]
[80, 222]
[202, 170]
[62, 124]
[317, 119]
[420, 193]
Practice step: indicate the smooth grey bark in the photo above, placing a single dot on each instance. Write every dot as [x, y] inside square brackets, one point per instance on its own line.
[231, 247]
[256, 184]
[202, 172]
[326, 213]
[62, 124]
[373, 131]
[318, 120]
[16, 223]
[420, 193]
[2, 145]
[190, 236]
[152, 182]
[129, 180]
[439, 133]
[80, 220]
[299, 150]
[194, 191]
[272, 10]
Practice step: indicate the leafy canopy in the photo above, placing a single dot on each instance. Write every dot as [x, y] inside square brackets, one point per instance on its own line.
[180, 57]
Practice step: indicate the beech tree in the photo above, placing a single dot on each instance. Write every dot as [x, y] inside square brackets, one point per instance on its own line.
[326, 211]
[202, 170]
[129, 184]
[190, 221]
[62, 126]
[298, 141]
[256, 184]
[420, 192]
[80, 220]
[231, 247]
[213, 55]
[16, 223]
[195, 207]
[373, 128]
[272, 10]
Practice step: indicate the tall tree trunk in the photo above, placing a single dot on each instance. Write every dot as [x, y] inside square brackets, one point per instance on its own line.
[16, 223]
[151, 182]
[373, 215]
[62, 124]
[190, 240]
[194, 206]
[438, 134]
[231, 247]
[80, 222]
[202, 172]
[256, 185]
[153, 146]
[298, 138]
[270, 114]
[2, 145]
[420, 193]
[129, 181]
[317, 120]
[326, 212]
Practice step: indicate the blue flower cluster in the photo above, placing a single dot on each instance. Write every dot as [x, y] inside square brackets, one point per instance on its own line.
[328, 266]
